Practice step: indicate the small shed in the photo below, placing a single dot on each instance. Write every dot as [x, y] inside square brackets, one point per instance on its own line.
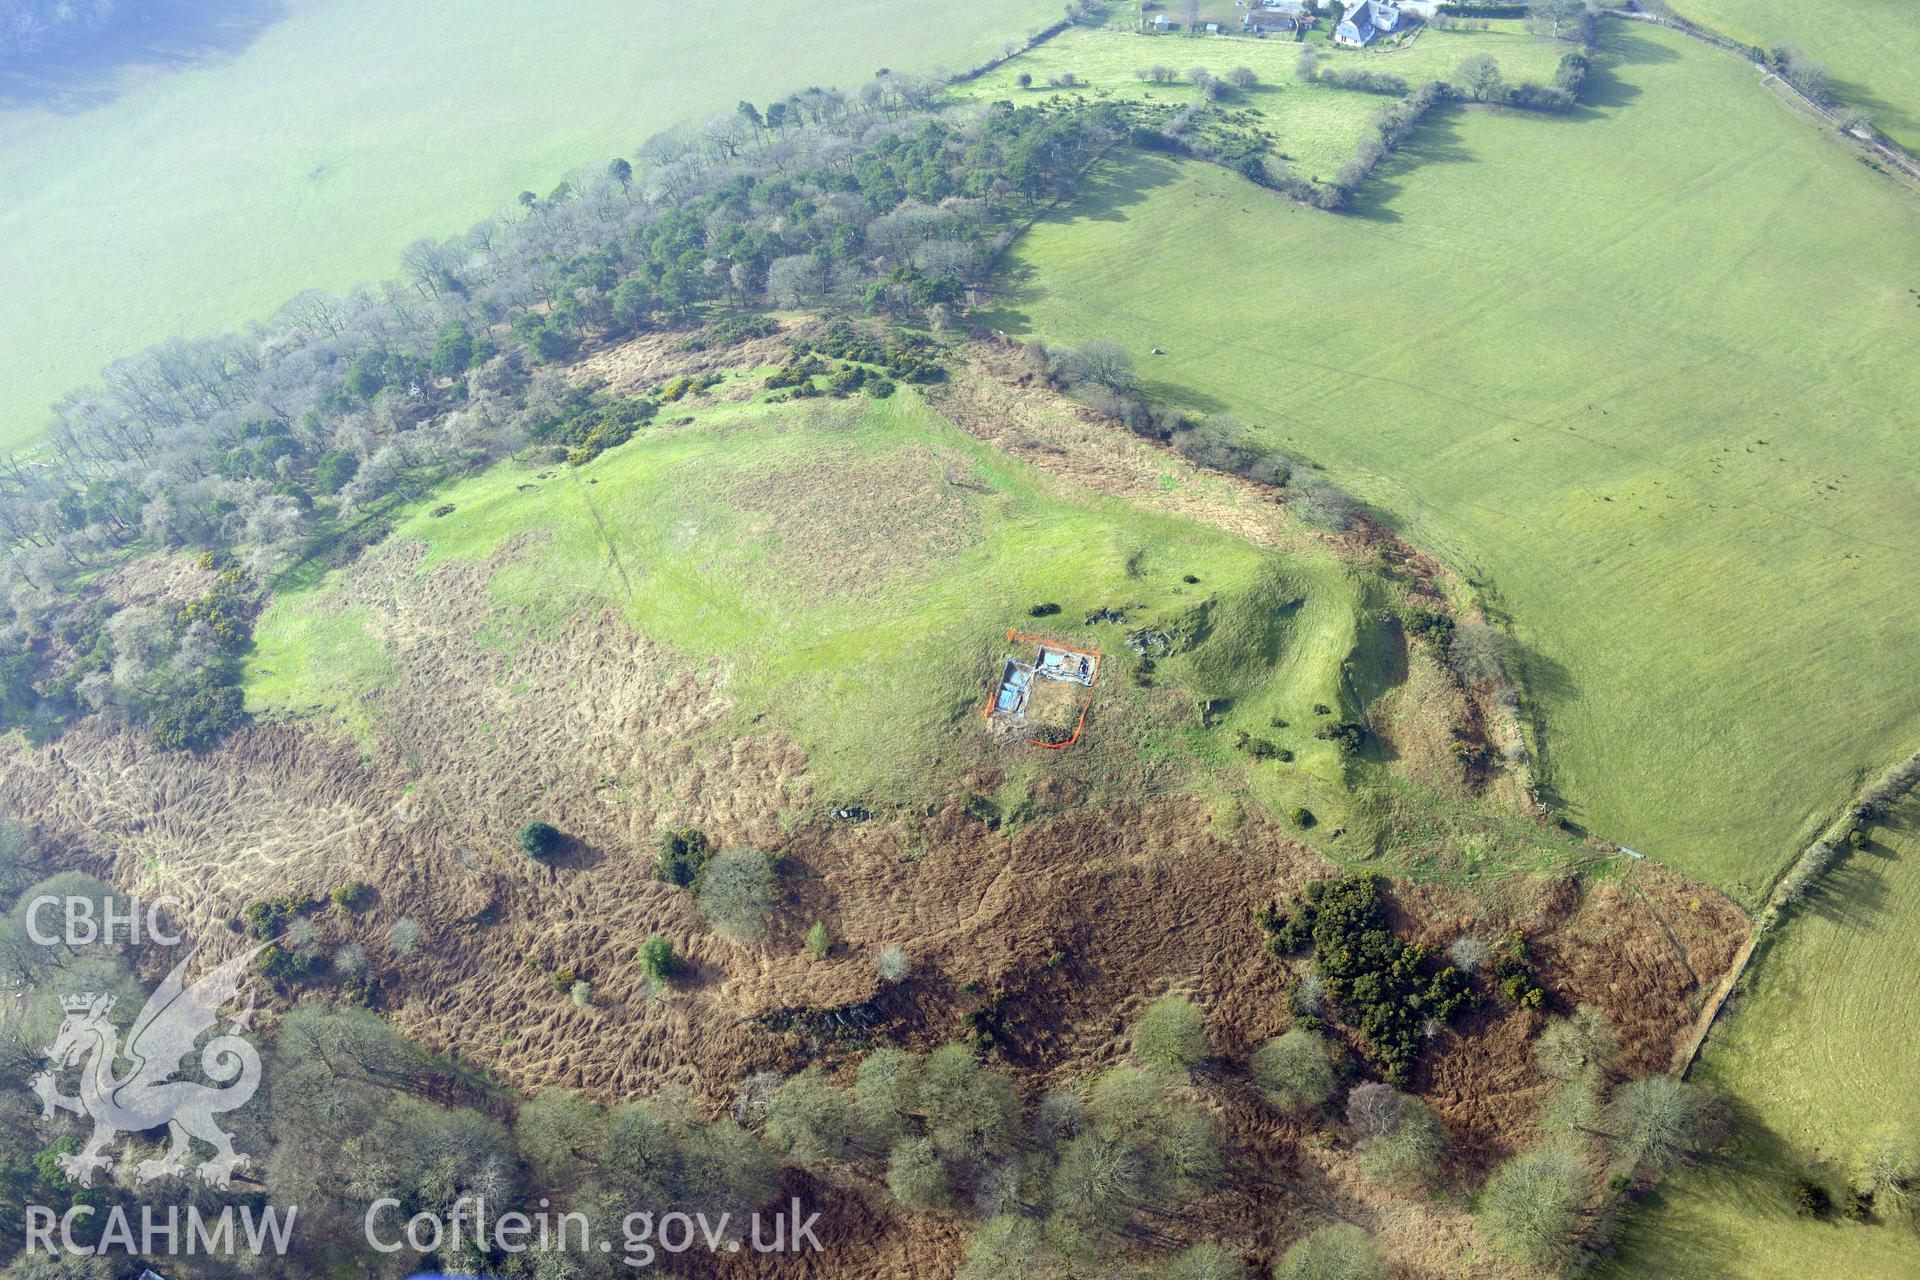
[1160, 22]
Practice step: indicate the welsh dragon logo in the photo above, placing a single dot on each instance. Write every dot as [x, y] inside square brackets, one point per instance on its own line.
[146, 1096]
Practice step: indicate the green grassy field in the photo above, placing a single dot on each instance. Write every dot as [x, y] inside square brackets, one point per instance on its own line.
[139, 205]
[868, 618]
[1819, 1054]
[1618, 368]
[1315, 128]
[1871, 48]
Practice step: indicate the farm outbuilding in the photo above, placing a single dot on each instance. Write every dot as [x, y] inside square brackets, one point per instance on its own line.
[1264, 20]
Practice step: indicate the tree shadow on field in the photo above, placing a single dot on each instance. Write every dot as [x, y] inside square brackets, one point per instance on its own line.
[1604, 92]
[1112, 188]
[1852, 895]
[172, 35]
[574, 854]
[1178, 395]
[1635, 46]
[1749, 1179]
[1104, 196]
[1435, 140]
[1885, 115]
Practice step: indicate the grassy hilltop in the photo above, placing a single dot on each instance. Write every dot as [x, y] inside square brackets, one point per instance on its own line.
[858, 599]
[138, 204]
[1618, 367]
[847, 572]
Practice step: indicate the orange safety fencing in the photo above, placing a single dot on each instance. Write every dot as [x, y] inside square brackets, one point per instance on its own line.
[1099, 659]
[1062, 746]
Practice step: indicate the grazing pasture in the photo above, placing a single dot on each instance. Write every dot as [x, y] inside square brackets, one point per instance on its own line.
[1624, 374]
[1870, 48]
[1314, 127]
[1818, 1054]
[193, 183]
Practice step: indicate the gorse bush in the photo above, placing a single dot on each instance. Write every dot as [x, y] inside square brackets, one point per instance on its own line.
[1391, 989]
[1429, 626]
[281, 965]
[1348, 736]
[729, 331]
[540, 840]
[270, 917]
[587, 426]
[682, 854]
[194, 715]
[657, 960]
[906, 359]
[1513, 972]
